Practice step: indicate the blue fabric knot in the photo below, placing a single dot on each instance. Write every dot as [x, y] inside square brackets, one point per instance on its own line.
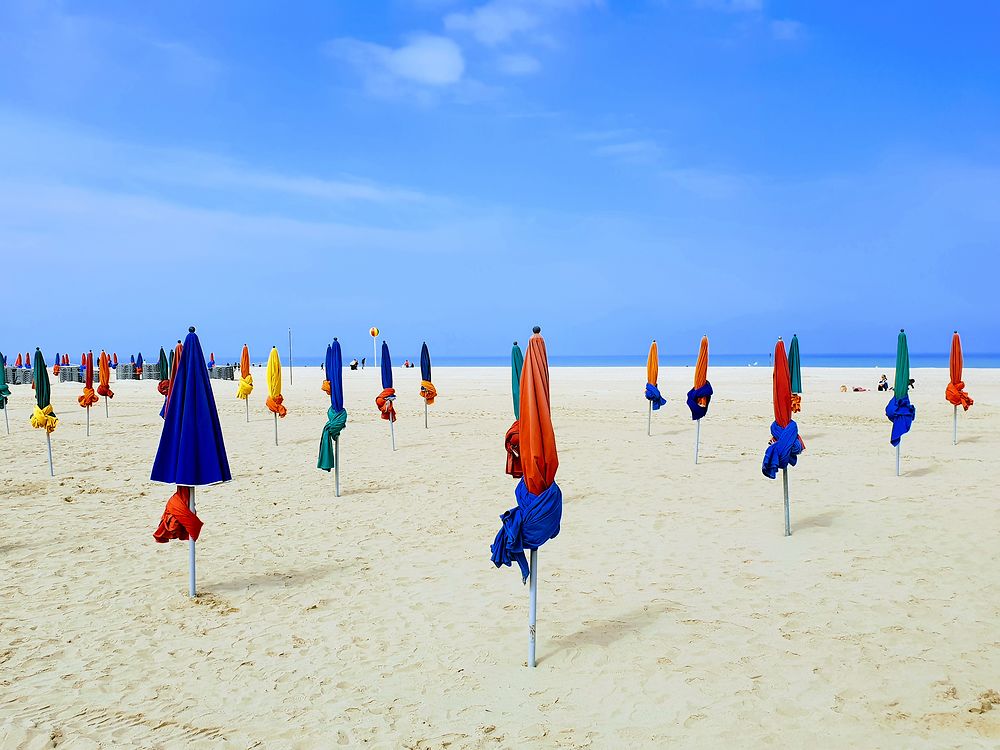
[901, 413]
[784, 451]
[533, 522]
[697, 410]
[653, 394]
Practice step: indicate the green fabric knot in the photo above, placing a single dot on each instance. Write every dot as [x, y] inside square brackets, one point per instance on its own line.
[336, 421]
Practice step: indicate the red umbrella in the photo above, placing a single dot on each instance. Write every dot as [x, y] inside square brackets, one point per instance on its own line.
[955, 392]
[89, 397]
[785, 445]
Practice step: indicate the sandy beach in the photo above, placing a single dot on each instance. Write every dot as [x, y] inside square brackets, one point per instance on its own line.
[672, 610]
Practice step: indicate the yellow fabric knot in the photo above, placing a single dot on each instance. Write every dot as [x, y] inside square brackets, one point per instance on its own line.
[44, 418]
[245, 387]
[428, 391]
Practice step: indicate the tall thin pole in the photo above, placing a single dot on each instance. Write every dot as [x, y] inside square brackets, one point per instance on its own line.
[954, 429]
[291, 375]
[275, 428]
[248, 409]
[105, 407]
[336, 463]
[649, 421]
[392, 431]
[192, 591]
[697, 439]
[48, 439]
[897, 456]
[788, 522]
[532, 606]
[88, 421]
[425, 414]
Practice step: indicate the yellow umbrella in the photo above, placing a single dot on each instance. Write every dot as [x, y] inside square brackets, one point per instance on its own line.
[274, 399]
[245, 387]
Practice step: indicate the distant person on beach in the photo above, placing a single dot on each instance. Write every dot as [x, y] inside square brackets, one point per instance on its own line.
[883, 384]
[362, 363]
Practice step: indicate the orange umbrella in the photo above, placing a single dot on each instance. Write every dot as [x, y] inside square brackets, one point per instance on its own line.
[104, 384]
[699, 397]
[785, 445]
[955, 392]
[537, 516]
[245, 386]
[89, 398]
[652, 388]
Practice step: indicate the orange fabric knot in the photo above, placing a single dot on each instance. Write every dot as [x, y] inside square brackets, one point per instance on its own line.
[428, 391]
[55, 369]
[274, 404]
[88, 399]
[512, 442]
[384, 403]
[163, 387]
[326, 387]
[105, 390]
[796, 403]
[178, 522]
[955, 393]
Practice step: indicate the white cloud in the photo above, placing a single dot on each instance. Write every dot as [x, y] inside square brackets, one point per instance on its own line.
[424, 61]
[786, 30]
[518, 64]
[732, 6]
[500, 21]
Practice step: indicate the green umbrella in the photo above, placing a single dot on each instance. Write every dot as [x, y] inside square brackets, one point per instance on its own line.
[795, 365]
[516, 363]
[43, 417]
[164, 365]
[902, 366]
[4, 392]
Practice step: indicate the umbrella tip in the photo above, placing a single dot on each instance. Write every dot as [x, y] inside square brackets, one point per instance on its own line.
[190, 329]
[515, 343]
[334, 338]
[901, 330]
[536, 329]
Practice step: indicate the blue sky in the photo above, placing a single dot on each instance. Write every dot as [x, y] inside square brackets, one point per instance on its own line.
[457, 171]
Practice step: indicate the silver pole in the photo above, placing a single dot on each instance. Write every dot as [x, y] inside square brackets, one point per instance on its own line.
[291, 376]
[336, 463]
[788, 523]
[897, 456]
[88, 421]
[649, 420]
[532, 606]
[392, 431]
[425, 414]
[248, 409]
[954, 431]
[275, 428]
[191, 569]
[697, 439]
[105, 407]
[48, 439]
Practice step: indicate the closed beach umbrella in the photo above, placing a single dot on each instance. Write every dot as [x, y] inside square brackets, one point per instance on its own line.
[57, 366]
[699, 397]
[538, 513]
[512, 440]
[138, 366]
[427, 390]
[955, 392]
[336, 414]
[164, 365]
[652, 388]
[191, 451]
[104, 379]
[27, 360]
[785, 445]
[795, 373]
[211, 360]
[19, 362]
[899, 410]
[89, 397]
[65, 360]
[384, 400]
[43, 417]
[132, 359]
[245, 387]
[4, 392]
[114, 359]
[173, 362]
[275, 401]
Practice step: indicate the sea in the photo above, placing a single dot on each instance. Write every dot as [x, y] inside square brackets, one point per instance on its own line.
[885, 360]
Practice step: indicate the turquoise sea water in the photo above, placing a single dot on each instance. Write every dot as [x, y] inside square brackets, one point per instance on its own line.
[885, 360]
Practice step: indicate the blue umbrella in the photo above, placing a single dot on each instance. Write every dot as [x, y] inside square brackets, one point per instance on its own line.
[336, 415]
[388, 394]
[427, 390]
[138, 366]
[191, 452]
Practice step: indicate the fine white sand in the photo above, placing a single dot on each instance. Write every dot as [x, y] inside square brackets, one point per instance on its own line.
[672, 610]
